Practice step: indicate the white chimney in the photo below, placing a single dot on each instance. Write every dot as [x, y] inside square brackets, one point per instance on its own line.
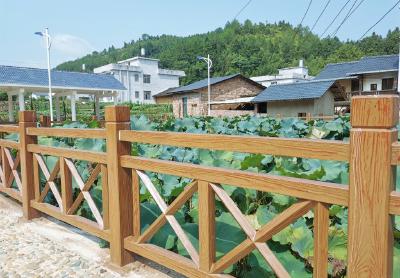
[301, 63]
[142, 52]
[83, 67]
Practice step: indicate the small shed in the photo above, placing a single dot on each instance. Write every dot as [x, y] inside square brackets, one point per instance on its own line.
[298, 99]
[21, 80]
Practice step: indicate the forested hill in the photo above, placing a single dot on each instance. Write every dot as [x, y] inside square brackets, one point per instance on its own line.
[251, 49]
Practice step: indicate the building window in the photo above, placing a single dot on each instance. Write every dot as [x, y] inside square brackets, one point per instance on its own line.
[146, 78]
[373, 87]
[136, 77]
[274, 82]
[147, 95]
[387, 83]
[301, 115]
[136, 94]
[355, 85]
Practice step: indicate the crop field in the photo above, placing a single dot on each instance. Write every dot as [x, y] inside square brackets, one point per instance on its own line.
[294, 245]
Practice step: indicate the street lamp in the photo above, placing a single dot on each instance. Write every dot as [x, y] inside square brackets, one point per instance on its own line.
[46, 35]
[209, 65]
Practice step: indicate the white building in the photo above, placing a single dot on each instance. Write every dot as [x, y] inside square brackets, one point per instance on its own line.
[285, 76]
[142, 77]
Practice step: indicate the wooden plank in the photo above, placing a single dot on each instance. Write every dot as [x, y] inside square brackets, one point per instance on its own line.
[321, 229]
[206, 201]
[395, 153]
[86, 194]
[74, 220]
[236, 254]
[66, 185]
[10, 144]
[234, 210]
[136, 205]
[97, 157]
[307, 148]
[300, 188]
[170, 218]
[104, 193]
[26, 119]
[374, 112]
[36, 179]
[6, 167]
[15, 194]
[120, 181]
[370, 251]
[394, 203]
[186, 194]
[52, 185]
[282, 220]
[91, 133]
[9, 128]
[152, 229]
[166, 258]
[272, 260]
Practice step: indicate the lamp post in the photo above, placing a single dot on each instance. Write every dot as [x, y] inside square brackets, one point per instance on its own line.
[46, 35]
[209, 65]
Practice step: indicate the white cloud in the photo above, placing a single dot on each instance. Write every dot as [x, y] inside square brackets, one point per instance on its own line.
[71, 46]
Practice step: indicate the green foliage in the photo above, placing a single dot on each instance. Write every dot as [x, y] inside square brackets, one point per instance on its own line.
[249, 48]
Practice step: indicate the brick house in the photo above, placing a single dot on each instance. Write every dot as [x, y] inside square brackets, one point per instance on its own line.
[230, 95]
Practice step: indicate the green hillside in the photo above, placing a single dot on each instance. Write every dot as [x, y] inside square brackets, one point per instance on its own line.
[248, 48]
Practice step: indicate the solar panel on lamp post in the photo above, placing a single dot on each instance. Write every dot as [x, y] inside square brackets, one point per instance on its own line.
[209, 65]
[46, 35]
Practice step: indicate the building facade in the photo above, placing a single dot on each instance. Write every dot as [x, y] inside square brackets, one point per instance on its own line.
[228, 93]
[142, 77]
[285, 76]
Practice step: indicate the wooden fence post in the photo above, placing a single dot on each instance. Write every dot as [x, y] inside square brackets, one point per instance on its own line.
[44, 121]
[370, 245]
[120, 184]
[27, 119]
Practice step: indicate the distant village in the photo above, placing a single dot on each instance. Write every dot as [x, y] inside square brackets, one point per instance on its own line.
[292, 92]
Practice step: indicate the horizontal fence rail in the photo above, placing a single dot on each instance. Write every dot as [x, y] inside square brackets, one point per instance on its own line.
[307, 148]
[370, 196]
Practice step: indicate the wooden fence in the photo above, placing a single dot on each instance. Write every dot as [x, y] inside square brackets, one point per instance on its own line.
[372, 153]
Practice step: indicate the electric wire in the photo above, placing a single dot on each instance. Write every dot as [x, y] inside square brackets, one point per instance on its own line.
[320, 15]
[344, 19]
[376, 23]
[242, 9]
[334, 19]
[305, 14]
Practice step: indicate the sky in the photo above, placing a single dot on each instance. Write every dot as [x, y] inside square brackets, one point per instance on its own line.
[79, 27]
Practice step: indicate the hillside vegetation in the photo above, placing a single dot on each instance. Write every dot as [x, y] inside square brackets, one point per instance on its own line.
[248, 48]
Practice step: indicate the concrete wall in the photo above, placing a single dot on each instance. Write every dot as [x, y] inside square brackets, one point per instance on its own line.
[376, 79]
[323, 105]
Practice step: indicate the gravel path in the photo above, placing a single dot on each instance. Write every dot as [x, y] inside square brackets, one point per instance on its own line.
[47, 248]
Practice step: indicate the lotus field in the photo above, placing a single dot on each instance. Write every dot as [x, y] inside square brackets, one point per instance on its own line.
[293, 246]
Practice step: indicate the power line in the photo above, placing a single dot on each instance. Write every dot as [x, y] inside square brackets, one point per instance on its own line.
[344, 19]
[305, 14]
[391, 9]
[330, 24]
[359, 4]
[319, 17]
[242, 9]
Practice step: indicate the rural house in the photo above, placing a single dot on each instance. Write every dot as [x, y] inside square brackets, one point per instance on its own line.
[142, 78]
[230, 95]
[331, 90]
[299, 99]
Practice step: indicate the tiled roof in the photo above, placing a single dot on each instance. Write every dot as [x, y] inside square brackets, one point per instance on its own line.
[34, 77]
[376, 64]
[365, 65]
[294, 91]
[195, 86]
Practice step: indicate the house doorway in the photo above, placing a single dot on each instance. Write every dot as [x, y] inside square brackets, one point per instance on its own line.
[184, 105]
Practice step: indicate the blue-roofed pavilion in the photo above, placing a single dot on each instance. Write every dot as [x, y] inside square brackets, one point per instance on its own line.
[21, 80]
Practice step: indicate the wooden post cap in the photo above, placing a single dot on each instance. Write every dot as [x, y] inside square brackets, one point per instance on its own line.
[117, 114]
[27, 116]
[379, 111]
